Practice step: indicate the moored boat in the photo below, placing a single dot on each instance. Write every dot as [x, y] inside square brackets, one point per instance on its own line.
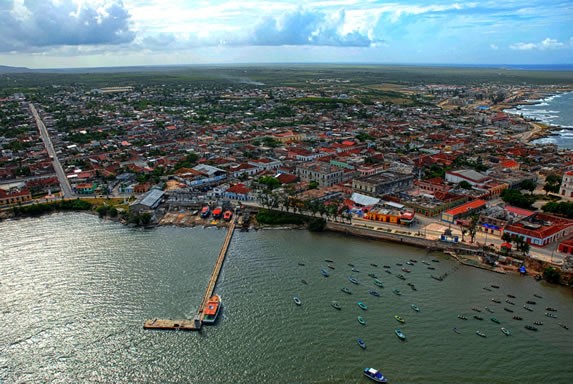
[379, 283]
[550, 309]
[353, 280]
[396, 292]
[227, 215]
[361, 343]
[361, 320]
[538, 296]
[489, 309]
[517, 318]
[399, 319]
[508, 310]
[372, 275]
[375, 375]
[401, 277]
[212, 309]
[551, 315]
[335, 305]
[476, 309]
[530, 327]
[494, 320]
[205, 212]
[480, 334]
[346, 290]
[564, 326]
[329, 260]
[528, 308]
[400, 334]
[496, 301]
[495, 286]
[374, 265]
[406, 270]
[374, 293]
[538, 322]
[324, 272]
[505, 331]
[478, 317]
[331, 266]
[297, 300]
[415, 307]
[217, 213]
[509, 302]
[531, 302]
[511, 296]
[463, 317]
[456, 330]
[362, 305]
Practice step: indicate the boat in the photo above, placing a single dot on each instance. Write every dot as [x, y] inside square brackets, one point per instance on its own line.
[478, 317]
[379, 283]
[508, 310]
[411, 285]
[324, 272]
[355, 270]
[531, 302]
[425, 262]
[476, 309]
[511, 296]
[509, 302]
[227, 215]
[372, 275]
[528, 308]
[480, 334]
[489, 309]
[304, 282]
[431, 268]
[396, 292]
[361, 320]
[539, 323]
[361, 343]
[401, 277]
[494, 286]
[217, 213]
[353, 280]
[505, 331]
[463, 317]
[346, 290]
[496, 301]
[375, 375]
[494, 320]
[362, 305]
[399, 264]
[301, 264]
[538, 296]
[437, 278]
[212, 309]
[406, 270]
[550, 309]
[435, 260]
[205, 212]
[374, 293]
[335, 305]
[386, 266]
[297, 300]
[517, 318]
[486, 289]
[329, 261]
[400, 334]
[551, 315]
[387, 271]
[415, 307]
[331, 266]
[564, 326]
[374, 265]
[399, 319]
[195, 212]
[456, 330]
[351, 265]
[409, 263]
[530, 327]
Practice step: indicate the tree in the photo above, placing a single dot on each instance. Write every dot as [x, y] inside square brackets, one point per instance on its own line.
[552, 183]
[516, 198]
[528, 185]
[465, 185]
[551, 275]
[313, 184]
[472, 230]
[270, 182]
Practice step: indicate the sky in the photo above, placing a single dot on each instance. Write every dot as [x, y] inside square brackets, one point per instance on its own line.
[103, 33]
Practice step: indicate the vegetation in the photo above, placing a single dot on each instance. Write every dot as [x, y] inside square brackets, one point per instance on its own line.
[552, 183]
[551, 275]
[43, 208]
[269, 217]
[317, 224]
[516, 198]
[562, 208]
[528, 185]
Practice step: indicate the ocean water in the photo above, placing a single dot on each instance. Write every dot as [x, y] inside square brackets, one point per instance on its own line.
[556, 110]
[75, 291]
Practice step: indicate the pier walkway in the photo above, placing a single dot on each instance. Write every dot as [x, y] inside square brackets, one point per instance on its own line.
[196, 323]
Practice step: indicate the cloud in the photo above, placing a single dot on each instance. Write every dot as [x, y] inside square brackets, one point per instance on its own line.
[29, 24]
[546, 44]
[494, 47]
[305, 27]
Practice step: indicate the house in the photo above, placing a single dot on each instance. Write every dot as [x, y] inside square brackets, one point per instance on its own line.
[148, 201]
[14, 197]
[382, 183]
[453, 215]
[541, 229]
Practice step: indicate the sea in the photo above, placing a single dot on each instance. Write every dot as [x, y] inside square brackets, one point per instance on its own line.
[75, 291]
[556, 110]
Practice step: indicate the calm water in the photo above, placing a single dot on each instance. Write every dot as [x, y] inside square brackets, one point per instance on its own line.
[74, 292]
[555, 110]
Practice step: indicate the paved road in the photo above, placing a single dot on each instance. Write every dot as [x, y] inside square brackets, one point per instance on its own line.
[64, 183]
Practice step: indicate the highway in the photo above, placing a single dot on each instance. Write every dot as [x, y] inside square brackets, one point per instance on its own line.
[64, 183]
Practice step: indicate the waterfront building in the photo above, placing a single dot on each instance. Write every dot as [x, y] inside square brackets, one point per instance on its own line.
[14, 196]
[541, 229]
[382, 183]
[324, 174]
[390, 212]
[453, 215]
[147, 202]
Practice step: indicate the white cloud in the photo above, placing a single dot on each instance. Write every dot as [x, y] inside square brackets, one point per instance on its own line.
[494, 47]
[546, 44]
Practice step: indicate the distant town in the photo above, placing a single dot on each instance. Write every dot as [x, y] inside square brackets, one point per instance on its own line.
[427, 160]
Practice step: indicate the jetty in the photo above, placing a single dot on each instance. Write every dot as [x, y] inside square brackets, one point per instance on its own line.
[196, 323]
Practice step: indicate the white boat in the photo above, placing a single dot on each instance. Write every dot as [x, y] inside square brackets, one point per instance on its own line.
[212, 309]
[375, 375]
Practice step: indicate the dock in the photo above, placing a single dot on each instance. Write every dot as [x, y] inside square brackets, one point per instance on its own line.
[196, 323]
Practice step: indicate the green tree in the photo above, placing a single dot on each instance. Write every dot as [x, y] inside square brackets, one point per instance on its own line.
[551, 275]
[472, 230]
[552, 183]
[312, 184]
[465, 185]
[528, 185]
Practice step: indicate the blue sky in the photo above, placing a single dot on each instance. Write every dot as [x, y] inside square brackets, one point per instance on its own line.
[87, 33]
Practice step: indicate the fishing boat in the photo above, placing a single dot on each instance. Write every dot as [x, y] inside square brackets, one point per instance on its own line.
[331, 266]
[538, 323]
[399, 264]
[212, 309]
[355, 270]
[463, 317]
[396, 292]
[538, 296]
[217, 213]
[456, 330]
[297, 300]
[335, 305]
[399, 319]
[437, 278]
[495, 286]
[478, 317]
[550, 309]
[489, 309]
[494, 320]
[505, 331]
[379, 283]
[205, 212]
[374, 265]
[511, 296]
[509, 302]
[406, 270]
[563, 326]
[353, 280]
[388, 272]
[409, 263]
[486, 289]
[435, 260]
[329, 261]
[508, 310]
[351, 265]
[301, 264]
[324, 272]
[361, 343]
[304, 282]
[374, 293]
[476, 309]
[400, 334]
[431, 268]
[372, 275]
[375, 375]
[415, 307]
[551, 315]
[496, 301]
[517, 318]
[425, 262]
[480, 334]
[227, 215]
[401, 277]
[361, 320]
[528, 308]
[531, 302]
[362, 305]
[346, 290]
[530, 327]
[386, 266]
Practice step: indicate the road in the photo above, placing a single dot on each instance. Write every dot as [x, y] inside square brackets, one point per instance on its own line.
[64, 183]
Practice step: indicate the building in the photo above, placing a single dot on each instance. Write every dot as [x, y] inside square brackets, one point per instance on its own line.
[469, 175]
[541, 229]
[148, 201]
[566, 188]
[453, 215]
[324, 174]
[382, 183]
[14, 197]
[389, 212]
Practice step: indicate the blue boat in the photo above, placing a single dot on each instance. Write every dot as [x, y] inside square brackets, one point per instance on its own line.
[324, 272]
[297, 300]
[353, 280]
[375, 375]
[374, 293]
[361, 343]
[400, 334]
[362, 305]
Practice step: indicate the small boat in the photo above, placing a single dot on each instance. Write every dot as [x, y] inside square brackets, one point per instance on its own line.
[346, 290]
[496, 301]
[456, 330]
[551, 315]
[400, 334]
[212, 309]
[530, 327]
[509, 302]
[425, 262]
[375, 375]
[401, 277]
[399, 319]
[411, 285]
[517, 318]
[324, 272]
[494, 320]
[396, 292]
[351, 265]
[297, 300]
[476, 309]
[205, 212]
[486, 289]
[531, 302]
[480, 334]
[374, 293]
[374, 265]
[227, 215]
[361, 320]
[399, 264]
[431, 268]
[301, 264]
[489, 309]
[406, 270]
[335, 305]
[550, 309]
[538, 322]
[538, 296]
[528, 308]
[379, 283]
[386, 266]
[361, 343]
[362, 305]
[463, 317]
[564, 326]
[505, 331]
[494, 286]
[508, 310]
[331, 266]
[511, 296]
[353, 280]
[304, 282]
[435, 260]
[409, 263]
[372, 275]
[437, 278]
[387, 271]
[478, 317]
[329, 261]
[415, 307]
[355, 270]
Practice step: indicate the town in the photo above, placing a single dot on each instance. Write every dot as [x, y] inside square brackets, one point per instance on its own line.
[439, 161]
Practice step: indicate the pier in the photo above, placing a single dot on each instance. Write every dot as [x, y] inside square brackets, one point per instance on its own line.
[196, 323]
